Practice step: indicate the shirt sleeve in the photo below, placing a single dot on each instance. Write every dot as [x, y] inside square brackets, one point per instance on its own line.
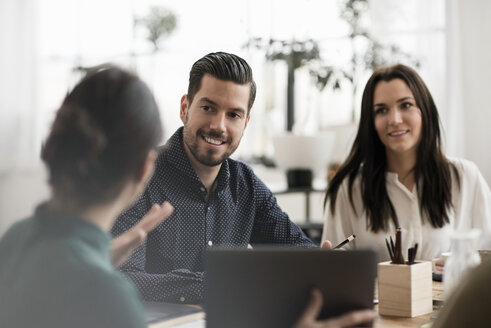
[271, 224]
[475, 207]
[482, 210]
[338, 226]
[176, 286]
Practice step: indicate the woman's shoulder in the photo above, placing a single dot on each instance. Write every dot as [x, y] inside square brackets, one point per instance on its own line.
[463, 166]
[350, 188]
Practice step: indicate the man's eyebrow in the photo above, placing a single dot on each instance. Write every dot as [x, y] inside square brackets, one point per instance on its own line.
[211, 102]
[208, 100]
[239, 109]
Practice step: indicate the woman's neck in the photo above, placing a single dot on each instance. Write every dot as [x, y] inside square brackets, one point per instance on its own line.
[403, 165]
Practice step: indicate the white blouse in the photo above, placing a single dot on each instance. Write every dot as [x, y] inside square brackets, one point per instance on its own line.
[471, 209]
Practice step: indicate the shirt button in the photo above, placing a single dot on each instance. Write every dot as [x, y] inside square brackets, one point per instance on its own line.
[182, 299]
[202, 189]
[210, 243]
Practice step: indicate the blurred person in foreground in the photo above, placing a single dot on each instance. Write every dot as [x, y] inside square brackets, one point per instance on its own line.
[57, 266]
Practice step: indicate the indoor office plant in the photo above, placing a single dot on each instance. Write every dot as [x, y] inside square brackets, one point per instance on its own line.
[367, 53]
[159, 22]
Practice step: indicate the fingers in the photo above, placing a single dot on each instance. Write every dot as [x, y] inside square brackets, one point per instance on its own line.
[350, 319]
[326, 244]
[123, 245]
[156, 215]
[132, 239]
[312, 310]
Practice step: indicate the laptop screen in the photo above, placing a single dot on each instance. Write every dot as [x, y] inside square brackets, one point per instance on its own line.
[270, 287]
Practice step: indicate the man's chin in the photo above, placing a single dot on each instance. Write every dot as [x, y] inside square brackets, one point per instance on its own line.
[211, 161]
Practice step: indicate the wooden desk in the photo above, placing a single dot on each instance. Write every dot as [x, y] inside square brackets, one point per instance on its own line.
[394, 322]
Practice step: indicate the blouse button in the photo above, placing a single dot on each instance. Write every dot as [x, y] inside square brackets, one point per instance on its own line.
[210, 243]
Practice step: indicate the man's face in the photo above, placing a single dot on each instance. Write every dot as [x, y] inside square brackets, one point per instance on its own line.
[215, 121]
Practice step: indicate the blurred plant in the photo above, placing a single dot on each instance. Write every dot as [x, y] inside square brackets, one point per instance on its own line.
[296, 54]
[367, 54]
[159, 22]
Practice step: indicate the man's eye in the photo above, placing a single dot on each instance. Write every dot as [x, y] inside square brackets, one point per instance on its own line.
[234, 115]
[206, 108]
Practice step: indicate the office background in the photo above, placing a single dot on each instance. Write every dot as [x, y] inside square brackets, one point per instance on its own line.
[43, 41]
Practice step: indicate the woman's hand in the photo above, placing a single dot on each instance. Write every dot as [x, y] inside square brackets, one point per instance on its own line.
[123, 245]
[351, 319]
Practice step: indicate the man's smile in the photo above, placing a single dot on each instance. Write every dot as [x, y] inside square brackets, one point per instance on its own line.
[213, 141]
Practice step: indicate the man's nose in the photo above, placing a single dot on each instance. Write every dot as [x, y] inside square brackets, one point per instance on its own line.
[218, 122]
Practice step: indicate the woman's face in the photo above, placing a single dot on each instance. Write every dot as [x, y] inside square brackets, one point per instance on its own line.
[397, 118]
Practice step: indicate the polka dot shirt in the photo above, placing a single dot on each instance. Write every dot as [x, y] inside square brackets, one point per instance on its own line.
[241, 210]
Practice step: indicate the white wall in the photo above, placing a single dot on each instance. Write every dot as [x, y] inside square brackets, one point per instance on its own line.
[20, 191]
[469, 84]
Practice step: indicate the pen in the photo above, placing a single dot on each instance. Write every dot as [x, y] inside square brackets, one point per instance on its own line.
[391, 255]
[344, 242]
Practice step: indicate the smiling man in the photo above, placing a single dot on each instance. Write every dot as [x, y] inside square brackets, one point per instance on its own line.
[218, 201]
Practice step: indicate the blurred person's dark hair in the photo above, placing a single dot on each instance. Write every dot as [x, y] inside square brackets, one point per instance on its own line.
[100, 137]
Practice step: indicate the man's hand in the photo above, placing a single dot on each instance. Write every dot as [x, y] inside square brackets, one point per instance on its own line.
[326, 244]
[309, 317]
[123, 245]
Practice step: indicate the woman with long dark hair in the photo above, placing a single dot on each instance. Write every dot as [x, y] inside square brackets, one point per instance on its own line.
[396, 174]
[55, 267]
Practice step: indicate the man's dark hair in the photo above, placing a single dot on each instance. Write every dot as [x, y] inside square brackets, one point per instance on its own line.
[225, 67]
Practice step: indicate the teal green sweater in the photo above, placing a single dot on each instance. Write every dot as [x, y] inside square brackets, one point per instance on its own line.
[55, 272]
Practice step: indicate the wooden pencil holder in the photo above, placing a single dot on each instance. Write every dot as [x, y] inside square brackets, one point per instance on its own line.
[405, 290]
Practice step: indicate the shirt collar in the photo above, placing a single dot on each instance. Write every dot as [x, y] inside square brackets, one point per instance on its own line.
[173, 152]
[393, 179]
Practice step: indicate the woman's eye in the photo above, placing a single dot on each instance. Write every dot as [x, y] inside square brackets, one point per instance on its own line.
[380, 110]
[406, 105]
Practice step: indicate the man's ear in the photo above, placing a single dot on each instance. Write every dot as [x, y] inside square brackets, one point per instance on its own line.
[184, 108]
[247, 121]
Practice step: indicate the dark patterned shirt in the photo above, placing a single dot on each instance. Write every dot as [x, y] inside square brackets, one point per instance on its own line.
[240, 210]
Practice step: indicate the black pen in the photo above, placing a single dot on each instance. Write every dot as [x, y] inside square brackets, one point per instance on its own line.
[344, 242]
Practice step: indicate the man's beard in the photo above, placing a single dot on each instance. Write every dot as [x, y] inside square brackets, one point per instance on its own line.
[207, 159]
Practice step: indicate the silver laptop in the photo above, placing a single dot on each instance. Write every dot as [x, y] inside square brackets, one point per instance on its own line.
[270, 287]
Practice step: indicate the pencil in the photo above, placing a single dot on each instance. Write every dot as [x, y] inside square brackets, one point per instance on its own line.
[344, 242]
